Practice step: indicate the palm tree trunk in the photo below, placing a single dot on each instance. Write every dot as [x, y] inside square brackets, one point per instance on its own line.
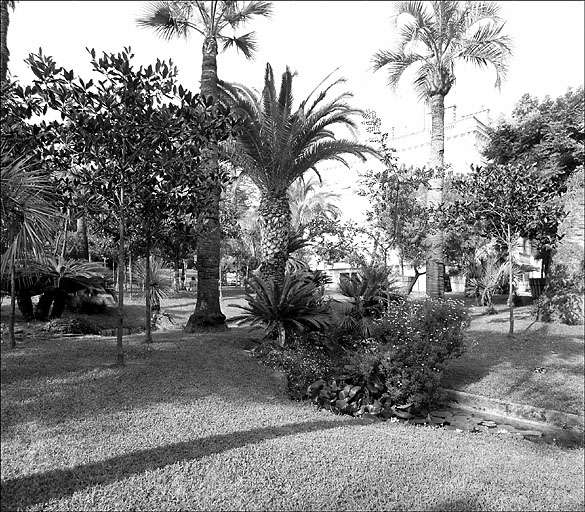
[4, 53]
[435, 263]
[208, 313]
[275, 227]
[82, 239]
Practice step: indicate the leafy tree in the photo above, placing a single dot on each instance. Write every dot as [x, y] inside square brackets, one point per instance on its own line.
[550, 135]
[279, 144]
[144, 137]
[211, 20]
[503, 202]
[432, 38]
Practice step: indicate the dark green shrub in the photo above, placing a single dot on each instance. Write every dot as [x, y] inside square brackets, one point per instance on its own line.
[562, 299]
[297, 306]
[305, 359]
[401, 364]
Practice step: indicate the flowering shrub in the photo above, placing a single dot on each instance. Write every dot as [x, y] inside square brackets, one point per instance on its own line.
[401, 363]
[304, 360]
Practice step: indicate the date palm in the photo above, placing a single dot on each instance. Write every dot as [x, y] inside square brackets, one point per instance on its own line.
[211, 20]
[280, 144]
[432, 38]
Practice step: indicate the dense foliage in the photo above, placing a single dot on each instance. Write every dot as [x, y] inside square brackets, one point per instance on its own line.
[400, 364]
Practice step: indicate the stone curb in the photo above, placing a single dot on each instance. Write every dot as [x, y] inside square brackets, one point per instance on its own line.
[497, 407]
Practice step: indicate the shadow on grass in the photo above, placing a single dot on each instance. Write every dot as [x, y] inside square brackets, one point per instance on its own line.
[535, 367]
[53, 382]
[42, 487]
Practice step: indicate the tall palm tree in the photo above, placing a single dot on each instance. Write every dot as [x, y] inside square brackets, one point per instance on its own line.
[432, 37]
[280, 144]
[28, 219]
[211, 20]
[5, 5]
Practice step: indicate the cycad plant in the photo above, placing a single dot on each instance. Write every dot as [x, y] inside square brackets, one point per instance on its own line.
[370, 293]
[296, 305]
[159, 287]
[28, 219]
[485, 276]
[279, 144]
[59, 278]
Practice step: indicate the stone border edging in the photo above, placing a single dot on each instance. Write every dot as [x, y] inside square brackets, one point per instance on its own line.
[518, 411]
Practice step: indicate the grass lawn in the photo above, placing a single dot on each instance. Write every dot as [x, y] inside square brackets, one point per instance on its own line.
[542, 365]
[194, 423]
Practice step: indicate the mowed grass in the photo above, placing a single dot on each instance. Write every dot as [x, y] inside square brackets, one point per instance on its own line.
[541, 365]
[192, 422]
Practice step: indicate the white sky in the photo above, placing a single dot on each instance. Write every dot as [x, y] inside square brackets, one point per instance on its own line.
[313, 38]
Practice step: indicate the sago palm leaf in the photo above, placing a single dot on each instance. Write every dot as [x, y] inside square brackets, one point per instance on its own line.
[29, 215]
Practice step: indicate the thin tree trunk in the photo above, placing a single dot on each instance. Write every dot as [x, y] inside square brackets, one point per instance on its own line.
[435, 261]
[177, 275]
[147, 286]
[12, 299]
[208, 313]
[413, 282]
[511, 283]
[130, 274]
[119, 342]
[65, 228]
[4, 53]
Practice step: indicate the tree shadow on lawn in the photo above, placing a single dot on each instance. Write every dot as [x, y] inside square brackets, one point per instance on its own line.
[41, 487]
[51, 383]
[534, 367]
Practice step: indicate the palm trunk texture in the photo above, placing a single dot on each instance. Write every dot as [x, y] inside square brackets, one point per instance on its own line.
[82, 241]
[4, 53]
[275, 227]
[435, 266]
[208, 315]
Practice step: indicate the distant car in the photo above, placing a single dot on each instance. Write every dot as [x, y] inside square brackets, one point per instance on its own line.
[231, 279]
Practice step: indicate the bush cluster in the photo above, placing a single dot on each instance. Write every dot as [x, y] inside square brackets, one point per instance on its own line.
[562, 299]
[395, 370]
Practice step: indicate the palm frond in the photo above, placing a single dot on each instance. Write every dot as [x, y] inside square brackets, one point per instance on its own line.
[237, 15]
[166, 20]
[246, 43]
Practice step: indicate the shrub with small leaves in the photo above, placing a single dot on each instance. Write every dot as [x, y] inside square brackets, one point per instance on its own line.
[562, 299]
[401, 364]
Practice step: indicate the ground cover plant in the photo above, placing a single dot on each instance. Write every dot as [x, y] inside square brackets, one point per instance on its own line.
[179, 428]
